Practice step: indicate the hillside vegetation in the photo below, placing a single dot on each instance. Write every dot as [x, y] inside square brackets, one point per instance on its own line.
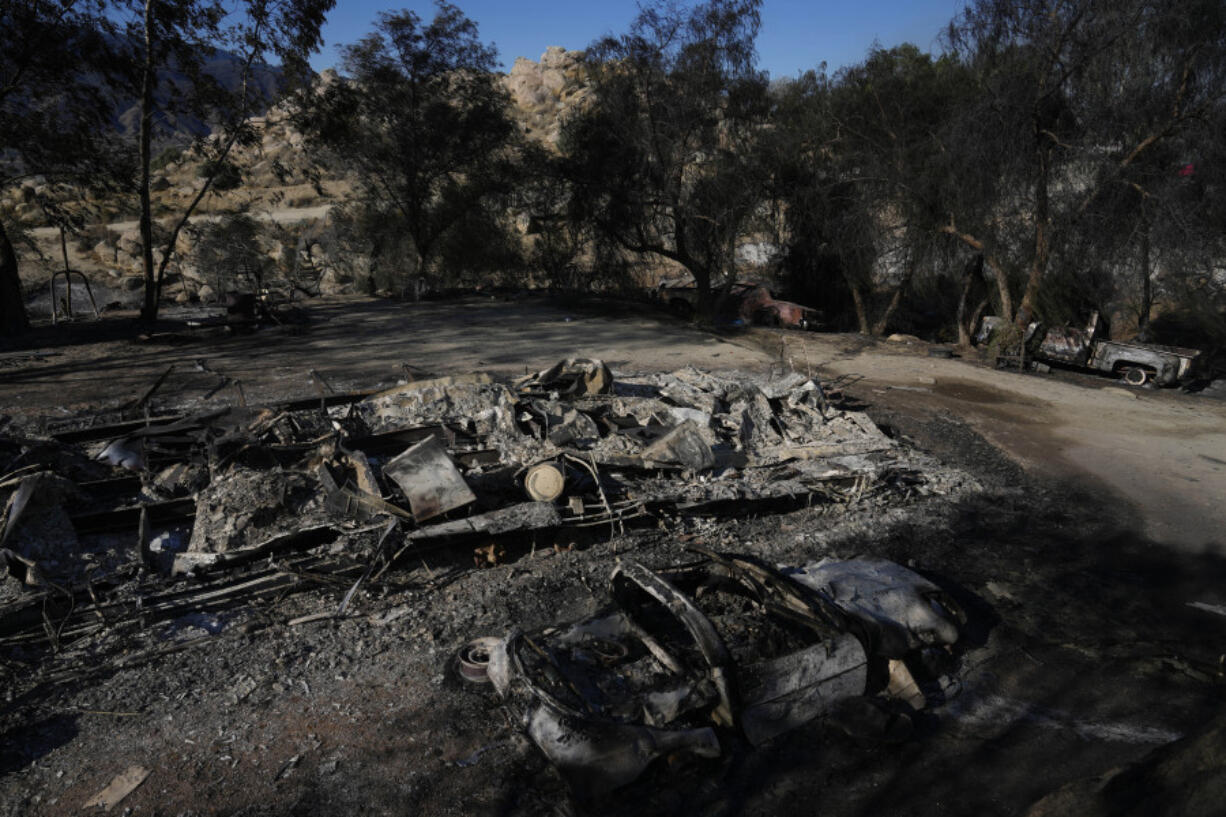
[1022, 171]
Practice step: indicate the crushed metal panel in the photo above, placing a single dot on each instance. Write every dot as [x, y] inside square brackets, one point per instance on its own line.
[434, 384]
[429, 479]
[789, 691]
[609, 755]
[524, 516]
[684, 446]
[363, 474]
[1066, 345]
[902, 609]
[988, 326]
[573, 377]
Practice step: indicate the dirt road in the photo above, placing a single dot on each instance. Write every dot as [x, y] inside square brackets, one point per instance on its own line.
[1162, 451]
[282, 215]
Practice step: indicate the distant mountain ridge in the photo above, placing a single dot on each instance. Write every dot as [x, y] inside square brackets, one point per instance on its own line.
[223, 66]
[542, 93]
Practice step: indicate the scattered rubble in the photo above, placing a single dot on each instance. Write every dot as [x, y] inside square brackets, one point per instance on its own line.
[116, 523]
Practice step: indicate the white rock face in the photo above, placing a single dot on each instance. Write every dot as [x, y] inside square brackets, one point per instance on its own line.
[543, 91]
[129, 243]
[524, 83]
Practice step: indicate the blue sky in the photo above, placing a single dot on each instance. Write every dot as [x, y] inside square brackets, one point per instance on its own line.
[795, 35]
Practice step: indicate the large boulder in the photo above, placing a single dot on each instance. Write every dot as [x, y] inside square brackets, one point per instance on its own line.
[334, 282]
[129, 243]
[106, 252]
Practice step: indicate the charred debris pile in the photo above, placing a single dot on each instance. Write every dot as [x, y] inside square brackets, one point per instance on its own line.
[110, 525]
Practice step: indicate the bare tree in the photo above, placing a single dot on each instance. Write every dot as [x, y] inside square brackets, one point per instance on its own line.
[160, 34]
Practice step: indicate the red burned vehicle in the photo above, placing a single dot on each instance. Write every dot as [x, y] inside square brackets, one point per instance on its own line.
[746, 301]
[757, 305]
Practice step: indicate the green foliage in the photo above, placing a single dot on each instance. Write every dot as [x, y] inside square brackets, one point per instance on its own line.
[1082, 115]
[93, 235]
[185, 34]
[226, 175]
[165, 158]
[425, 128]
[661, 163]
[53, 116]
[1005, 341]
[858, 167]
[230, 255]
[481, 249]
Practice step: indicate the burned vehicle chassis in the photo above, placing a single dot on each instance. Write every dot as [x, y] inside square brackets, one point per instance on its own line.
[686, 661]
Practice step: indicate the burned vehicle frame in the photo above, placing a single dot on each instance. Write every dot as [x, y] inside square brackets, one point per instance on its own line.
[686, 660]
[1137, 364]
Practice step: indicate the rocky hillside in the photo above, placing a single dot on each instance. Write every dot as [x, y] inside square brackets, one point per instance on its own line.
[543, 92]
[275, 186]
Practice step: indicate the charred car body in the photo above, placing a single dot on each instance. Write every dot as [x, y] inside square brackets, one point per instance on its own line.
[1136, 363]
[728, 648]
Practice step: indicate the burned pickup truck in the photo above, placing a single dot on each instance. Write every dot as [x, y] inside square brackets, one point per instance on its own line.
[1136, 363]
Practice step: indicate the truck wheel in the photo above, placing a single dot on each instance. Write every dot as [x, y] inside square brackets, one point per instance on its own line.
[1135, 376]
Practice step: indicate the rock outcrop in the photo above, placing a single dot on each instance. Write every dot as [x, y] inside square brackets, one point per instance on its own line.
[544, 92]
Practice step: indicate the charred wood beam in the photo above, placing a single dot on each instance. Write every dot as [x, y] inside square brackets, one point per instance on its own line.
[202, 563]
[113, 430]
[170, 512]
[159, 424]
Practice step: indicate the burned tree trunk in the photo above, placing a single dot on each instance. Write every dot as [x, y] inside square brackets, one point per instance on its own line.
[990, 261]
[884, 321]
[13, 320]
[1147, 290]
[1042, 241]
[858, 300]
[974, 269]
[149, 311]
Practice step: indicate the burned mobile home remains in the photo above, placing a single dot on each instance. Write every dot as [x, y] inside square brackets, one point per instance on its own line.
[118, 523]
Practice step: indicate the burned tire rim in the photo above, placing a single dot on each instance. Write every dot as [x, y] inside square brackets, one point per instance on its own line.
[473, 659]
[608, 651]
[1136, 376]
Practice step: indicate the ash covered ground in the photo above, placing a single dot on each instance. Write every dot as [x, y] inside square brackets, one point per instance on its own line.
[1081, 656]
